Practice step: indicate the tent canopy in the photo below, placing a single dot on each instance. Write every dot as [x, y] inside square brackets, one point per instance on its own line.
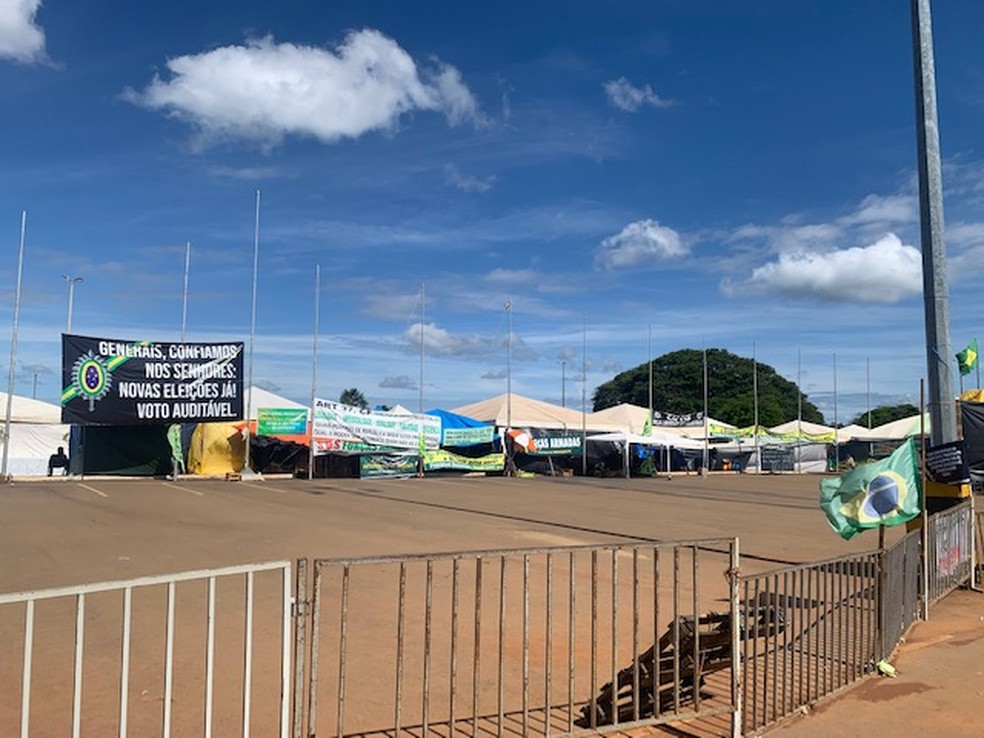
[27, 410]
[656, 439]
[257, 397]
[526, 412]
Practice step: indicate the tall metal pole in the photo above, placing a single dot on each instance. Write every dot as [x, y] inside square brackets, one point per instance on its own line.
[314, 366]
[799, 409]
[755, 400]
[423, 308]
[650, 355]
[563, 383]
[13, 348]
[252, 326]
[943, 416]
[836, 445]
[184, 293]
[507, 441]
[584, 394]
[867, 372]
[707, 440]
[72, 281]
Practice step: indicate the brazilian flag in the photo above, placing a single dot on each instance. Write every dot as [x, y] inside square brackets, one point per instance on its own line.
[967, 359]
[884, 492]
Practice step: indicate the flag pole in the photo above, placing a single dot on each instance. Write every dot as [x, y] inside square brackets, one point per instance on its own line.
[420, 444]
[252, 328]
[977, 363]
[799, 411]
[584, 394]
[314, 366]
[184, 295]
[706, 424]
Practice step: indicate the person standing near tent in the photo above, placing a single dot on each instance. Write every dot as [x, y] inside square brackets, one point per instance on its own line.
[177, 455]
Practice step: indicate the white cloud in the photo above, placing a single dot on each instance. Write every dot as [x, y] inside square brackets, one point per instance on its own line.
[440, 342]
[264, 90]
[466, 183]
[883, 272]
[625, 96]
[21, 39]
[639, 243]
[400, 382]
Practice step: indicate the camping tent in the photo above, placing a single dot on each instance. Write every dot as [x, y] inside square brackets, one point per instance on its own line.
[625, 440]
[36, 431]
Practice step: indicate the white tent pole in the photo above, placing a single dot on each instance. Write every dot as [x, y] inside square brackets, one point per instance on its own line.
[13, 346]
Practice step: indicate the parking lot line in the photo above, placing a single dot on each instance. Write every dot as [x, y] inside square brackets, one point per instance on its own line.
[265, 486]
[92, 489]
[184, 489]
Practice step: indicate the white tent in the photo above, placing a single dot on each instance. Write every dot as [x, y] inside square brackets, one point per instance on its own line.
[804, 426]
[523, 412]
[257, 397]
[899, 430]
[36, 431]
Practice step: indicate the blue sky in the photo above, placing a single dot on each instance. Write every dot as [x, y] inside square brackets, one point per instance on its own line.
[729, 174]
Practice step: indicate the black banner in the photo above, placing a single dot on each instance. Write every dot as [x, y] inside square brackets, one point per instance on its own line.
[113, 382]
[671, 420]
[945, 463]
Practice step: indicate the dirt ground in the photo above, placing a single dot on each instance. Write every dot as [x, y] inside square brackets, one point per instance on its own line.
[66, 532]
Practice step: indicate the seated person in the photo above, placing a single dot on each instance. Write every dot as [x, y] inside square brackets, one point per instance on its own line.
[58, 459]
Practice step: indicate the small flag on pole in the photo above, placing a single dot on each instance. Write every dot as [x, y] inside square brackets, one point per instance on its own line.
[647, 428]
[884, 492]
[967, 359]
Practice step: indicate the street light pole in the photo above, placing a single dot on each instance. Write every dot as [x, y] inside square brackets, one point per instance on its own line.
[72, 281]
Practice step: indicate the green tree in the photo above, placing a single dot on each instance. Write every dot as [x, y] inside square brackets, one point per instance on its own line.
[353, 397]
[886, 414]
[678, 388]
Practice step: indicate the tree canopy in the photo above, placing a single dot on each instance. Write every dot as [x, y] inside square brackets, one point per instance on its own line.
[886, 414]
[354, 397]
[678, 388]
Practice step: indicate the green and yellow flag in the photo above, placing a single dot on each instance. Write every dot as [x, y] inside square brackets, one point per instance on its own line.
[967, 359]
[884, 492]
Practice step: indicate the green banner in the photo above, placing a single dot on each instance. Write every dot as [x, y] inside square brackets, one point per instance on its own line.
[281, 421]
[446, 461]
[467, 436]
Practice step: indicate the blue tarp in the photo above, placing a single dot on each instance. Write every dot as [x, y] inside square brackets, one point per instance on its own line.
[454, 421]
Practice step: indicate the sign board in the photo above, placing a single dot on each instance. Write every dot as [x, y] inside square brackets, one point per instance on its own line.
[467, 436]
[281, 421]
[332, 420]
[116, 382]
[946, 464]
[777, 458]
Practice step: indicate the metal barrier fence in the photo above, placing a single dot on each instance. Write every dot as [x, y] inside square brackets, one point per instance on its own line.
[901, 590]
[540, 641]
[820, 634]
[151, 655]
[950, 537]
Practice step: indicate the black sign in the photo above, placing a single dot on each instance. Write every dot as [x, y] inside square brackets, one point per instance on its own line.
[946, 464]
[777, 458]
[670, 420]
[113, 382]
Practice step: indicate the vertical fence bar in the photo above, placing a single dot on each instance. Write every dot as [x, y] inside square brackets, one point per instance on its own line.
[615, 689]
[285, 656]
[548, 648]
[248, 656]
[594, 639]
[25, 725]
[776, 624]
[210, 657]
[428, 619]
[841, 629]
[342, 645]
[526, 644]
[169, 660]
[755, 624]
[734, 583]
[635, 634]
[454, 647]
[856, 621]
[301, 610]
[657, 676]
[401, 614]
[676, 629]
[695, 576]
[79, 655]
[801, 630]
[312, 725]
[769, 651]
[125, 662]
[750, 625]
[502, 636]
[477, 670]
[571, 661]
[788, 663]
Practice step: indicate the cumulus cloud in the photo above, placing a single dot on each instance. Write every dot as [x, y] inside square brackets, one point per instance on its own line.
[467, 183]
[639, 243]
[400, 382]
[884, 212]
[264, 90]
[440, 342]
[21, 39]
[884, 272]
[626, 96]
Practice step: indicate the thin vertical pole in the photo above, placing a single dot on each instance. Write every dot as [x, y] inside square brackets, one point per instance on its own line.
[423, 309]
[584, 394]
[924, 537]
[706, 421]
[799, 408]
[650, 355]
[184, 292]
[755, 396]
[836, 446]
[314, 367]
[867, 373]
[507, 441]
[252, 326]
[13, 346]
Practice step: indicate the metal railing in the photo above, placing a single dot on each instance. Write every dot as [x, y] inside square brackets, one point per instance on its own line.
[900, 591]
[950, 544]
[536, 641]
[202, 623]
[807, 632]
